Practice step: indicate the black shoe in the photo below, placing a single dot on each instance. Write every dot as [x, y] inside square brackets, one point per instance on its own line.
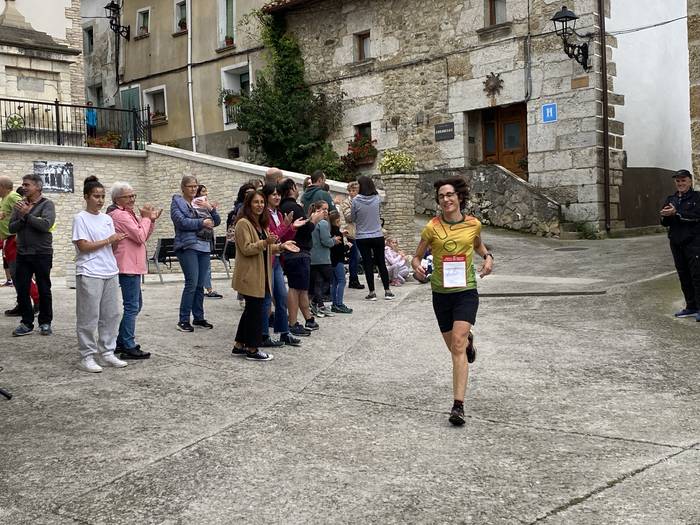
[238, 351]
[184, 326]
[258, 356]
[14, 312]
[289, 340]
[202, 323]
[457, 416]
[213, 295]
[311, 324]
[132, 353]
[271, 343]
[356, 285]
[471, 349]
[299, 330]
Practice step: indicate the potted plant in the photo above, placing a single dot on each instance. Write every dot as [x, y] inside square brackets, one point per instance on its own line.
[228, 97]
[182, 24]
[362, 150]
[228, 40]
[158, 116]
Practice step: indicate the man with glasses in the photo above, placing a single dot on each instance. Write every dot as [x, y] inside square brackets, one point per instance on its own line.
[32, 222]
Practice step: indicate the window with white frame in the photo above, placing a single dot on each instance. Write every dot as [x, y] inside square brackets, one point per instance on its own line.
[235, 81]
[143, 21]
[495, 12]
[180, 15]
[156, 99]
[227, 24]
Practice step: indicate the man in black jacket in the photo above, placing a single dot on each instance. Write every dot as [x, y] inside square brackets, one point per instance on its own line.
[297, 266]
[681, 213]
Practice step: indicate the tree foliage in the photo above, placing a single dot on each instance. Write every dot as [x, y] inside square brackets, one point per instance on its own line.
[287, 122]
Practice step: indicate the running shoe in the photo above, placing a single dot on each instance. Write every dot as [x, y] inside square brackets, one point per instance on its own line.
[389, 295]
[258, 356]
[316, 310]
[328, 312]
[202, 323]
[238, 351]
[686, 312]
[299, 330]
[457, 416]
[184, 326]
[289, 340]
[371, 296]
[471, 348]
[268, 342]
[341, 309]
[213, 295]
[311, 324]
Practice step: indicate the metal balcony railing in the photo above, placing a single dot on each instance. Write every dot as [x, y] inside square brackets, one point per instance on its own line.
[35, 122]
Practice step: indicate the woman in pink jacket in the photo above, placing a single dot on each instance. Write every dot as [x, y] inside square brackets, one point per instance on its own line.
[131, 261]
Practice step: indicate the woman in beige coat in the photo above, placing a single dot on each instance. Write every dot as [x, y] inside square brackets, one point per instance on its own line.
[252, 275]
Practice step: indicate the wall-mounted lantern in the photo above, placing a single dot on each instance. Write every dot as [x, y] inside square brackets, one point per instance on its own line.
[113, 10]
[565, 28]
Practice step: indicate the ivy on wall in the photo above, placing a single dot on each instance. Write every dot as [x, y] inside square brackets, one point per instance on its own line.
[287, 123]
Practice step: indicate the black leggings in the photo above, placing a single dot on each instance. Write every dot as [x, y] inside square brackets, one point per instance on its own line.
[372, 251]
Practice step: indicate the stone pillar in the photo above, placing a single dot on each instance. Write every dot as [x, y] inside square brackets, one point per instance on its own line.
[694, 53]
[74, 38]
[399, 209]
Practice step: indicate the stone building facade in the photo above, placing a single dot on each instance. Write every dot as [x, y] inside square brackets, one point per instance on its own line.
[41, 65]
[99, 45]
[694, 54]
[414, 73]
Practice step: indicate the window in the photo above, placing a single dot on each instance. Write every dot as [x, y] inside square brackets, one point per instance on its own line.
[364, 130]
[229, 24]
[88, 40]
[95, 95]
[362, 46]
[143, 22]
[234, 152]
[181, 15]
[495, 12]
[156, 99]
[235, 81]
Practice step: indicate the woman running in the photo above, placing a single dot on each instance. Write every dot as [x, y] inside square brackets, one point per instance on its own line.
[453, 237]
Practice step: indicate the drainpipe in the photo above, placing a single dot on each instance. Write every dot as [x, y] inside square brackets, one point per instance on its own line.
[528, 58]
[189, 74]
[606, 115]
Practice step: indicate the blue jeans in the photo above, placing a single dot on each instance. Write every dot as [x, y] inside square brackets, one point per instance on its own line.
[279, 291]
[133, 302]
[196, 267]
[354, 262]
[338, 284]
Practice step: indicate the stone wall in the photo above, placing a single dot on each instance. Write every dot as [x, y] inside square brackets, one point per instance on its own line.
[694, 52]
[398, 208]
[155, 175]
[74, 36]
[496, 197]
[427, 68]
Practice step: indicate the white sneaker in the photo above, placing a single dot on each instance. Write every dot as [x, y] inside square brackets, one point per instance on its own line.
[109, 359]
[88, 364]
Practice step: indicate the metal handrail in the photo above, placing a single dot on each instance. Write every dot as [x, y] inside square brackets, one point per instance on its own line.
[41, 122]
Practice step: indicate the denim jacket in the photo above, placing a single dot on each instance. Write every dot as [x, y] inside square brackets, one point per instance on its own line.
[187, 223]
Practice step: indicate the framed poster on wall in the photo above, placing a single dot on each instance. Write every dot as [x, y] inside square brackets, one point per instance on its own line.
[57, 176]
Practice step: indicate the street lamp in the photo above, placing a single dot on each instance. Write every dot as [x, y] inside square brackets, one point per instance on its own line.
[565, 27]
[113, 9]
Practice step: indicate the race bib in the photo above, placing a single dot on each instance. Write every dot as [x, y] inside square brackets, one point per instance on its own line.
[454, 271]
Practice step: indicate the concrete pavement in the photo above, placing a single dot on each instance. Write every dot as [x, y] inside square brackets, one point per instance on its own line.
[582, 408]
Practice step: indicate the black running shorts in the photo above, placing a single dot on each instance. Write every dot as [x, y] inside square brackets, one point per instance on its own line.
[457, 306]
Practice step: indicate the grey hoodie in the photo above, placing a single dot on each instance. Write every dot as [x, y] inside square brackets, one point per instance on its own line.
[365, 215]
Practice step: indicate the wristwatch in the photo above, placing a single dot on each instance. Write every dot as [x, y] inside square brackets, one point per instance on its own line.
[489, 254]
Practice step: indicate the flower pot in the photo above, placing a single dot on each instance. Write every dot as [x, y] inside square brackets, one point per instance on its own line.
[365, 161]
[228, 41]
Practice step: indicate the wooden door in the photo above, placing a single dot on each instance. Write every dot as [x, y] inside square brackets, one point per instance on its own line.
[504, 134]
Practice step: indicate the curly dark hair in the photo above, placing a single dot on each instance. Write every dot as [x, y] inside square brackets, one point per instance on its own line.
[460, 186]
[90, 184]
